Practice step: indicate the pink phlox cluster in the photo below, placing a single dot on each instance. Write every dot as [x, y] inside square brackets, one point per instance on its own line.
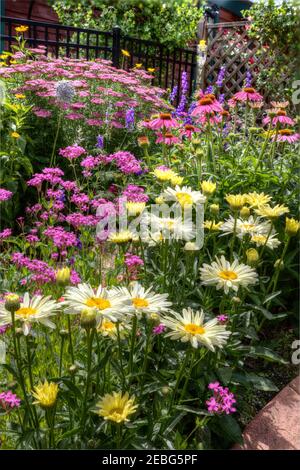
[73, 151]
[222, 400]
[9, 400]
[135, 193]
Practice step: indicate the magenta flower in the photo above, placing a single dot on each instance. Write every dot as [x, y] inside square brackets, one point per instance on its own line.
[206, 105]
[222, 318]
[247, 94]
[9, 400]
[159, 329]
[168, 139]
[132, 261]
[222, 400]
[72, 152]
[164, 121]
[189, 130]
[286, 135]
[5, 233]
[5, 194]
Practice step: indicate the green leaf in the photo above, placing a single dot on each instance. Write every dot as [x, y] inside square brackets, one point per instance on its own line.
[189, 409]
[271, 296]
[231, 428]
[267, 354]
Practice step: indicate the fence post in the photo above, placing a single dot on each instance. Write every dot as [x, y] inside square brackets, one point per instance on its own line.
[116, 44]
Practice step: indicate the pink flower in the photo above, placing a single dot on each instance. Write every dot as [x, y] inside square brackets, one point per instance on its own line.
[189, 130]
[248, 94]
[5, 194]
[168, 139]
[5, 233]
[206, 105]
[280, 118]
[135, 193]
[157, 330]
[133, 260]
[222, 400]
[286, 135]
[222, 318]
[164, 120]
[72, 152]
[9, 400]
[43, 113]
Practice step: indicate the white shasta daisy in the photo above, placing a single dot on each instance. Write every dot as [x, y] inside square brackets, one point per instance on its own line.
[107, 302]
[36, 309]
[184, 196]
[177, 228]
[145, 300]
[243, 227]
[190, 326]
[225, 275]
[263, 239]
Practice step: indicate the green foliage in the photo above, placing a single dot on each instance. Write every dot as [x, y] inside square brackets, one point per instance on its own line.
[277, 27]
[173, 23]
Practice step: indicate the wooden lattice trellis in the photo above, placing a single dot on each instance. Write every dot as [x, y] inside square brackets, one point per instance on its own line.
[229, 45]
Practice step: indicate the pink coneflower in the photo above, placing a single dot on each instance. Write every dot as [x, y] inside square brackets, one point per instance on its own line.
[164, 120]
[206, 105]
[146, 123]
[279, 118]
[189, 130]
[212, 118]
[280, 104]
[248, 94]
[43, 113]
[286, 135]
[168, 139]
[256, 105]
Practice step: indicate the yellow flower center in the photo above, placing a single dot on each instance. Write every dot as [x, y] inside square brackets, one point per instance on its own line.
[26, 311]
[194, 329]
[108, 325]
[140, 303]
[249, 227]
[98, 302]
[184, 199]
[286, 132]
[228, 275]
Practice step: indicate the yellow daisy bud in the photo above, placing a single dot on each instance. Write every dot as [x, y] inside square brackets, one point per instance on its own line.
[245, 212]
[208, 187]
[252, 256]
[214, 209]
[63, 276]
[176, 180]
[12, 302]
[291, 226]
[88, 318]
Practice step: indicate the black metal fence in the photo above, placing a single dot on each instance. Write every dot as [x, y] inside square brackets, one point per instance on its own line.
[79, 43]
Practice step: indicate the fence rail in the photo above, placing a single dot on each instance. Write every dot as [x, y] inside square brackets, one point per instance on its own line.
[60, 40]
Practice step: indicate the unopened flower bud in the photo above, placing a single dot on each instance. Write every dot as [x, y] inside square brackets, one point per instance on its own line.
[143, 141]
[214, 209]
[73, 369]
[245, 212]
[291, 227]
[236, 300]
[278, 264]
[12, 302]
[165, 390]
[252, 256]
[63, 276]
[88, 318]
[63, 333]
[191, 246]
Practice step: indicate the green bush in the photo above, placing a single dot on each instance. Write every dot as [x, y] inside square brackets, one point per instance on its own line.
[173, 23]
